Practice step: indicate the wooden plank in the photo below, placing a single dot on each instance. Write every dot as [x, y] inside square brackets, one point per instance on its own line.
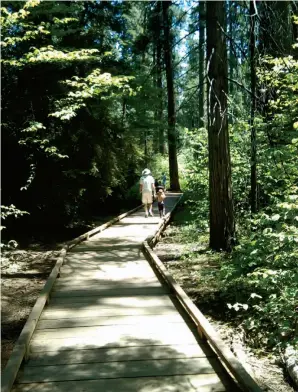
[97, 331]
[105, 302]
[105, 244]
[110, 272]
[91, 371]
[101, 292]
[95, 311]
[64, 287]
[181, 383]
[108, 253]
[105, 282]
[103, 263]
[114, 320]
[114, 337]
[116, 354]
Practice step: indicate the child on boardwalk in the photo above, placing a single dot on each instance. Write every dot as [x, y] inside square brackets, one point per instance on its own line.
[161, 204]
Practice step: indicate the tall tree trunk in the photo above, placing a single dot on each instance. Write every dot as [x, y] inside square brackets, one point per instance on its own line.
[172, 141]
[232, 11]
[123, 111]
[222, 225]
[154, 77]
[253, 176]
[202, 22]
[159, 80]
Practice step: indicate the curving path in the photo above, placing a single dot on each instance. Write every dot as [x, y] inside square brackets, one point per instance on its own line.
[112, 326]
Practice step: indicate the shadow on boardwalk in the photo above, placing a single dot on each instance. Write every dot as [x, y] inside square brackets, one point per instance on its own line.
[133, 366]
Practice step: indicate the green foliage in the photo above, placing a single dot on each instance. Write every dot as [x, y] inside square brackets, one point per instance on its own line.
[96, 85]
[10, 211]
[262, 274]
[63, 86]
[258, 281]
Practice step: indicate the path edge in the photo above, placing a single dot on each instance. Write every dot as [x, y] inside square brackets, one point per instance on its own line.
[205, 329]
[21, 347]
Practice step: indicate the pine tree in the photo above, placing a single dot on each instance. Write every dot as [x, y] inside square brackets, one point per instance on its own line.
[222, 227]
[172, 139]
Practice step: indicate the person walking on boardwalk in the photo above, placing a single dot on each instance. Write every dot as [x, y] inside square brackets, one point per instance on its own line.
[161, 204]
[147, 187]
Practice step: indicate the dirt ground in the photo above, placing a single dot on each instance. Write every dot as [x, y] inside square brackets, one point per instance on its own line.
[267, 371]
[23, 275]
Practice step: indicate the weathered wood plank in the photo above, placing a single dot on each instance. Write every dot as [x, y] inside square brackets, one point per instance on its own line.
[91, 371]
[104, 264]
[134, 280]
[105, 244]
[62, 285]
[110, 272]
[114, 337]
[97, 331]
[113, 320]
[73, 313]
[105, 302]
[83, 293]
[189, 383]
[105, 254]
[116, 354]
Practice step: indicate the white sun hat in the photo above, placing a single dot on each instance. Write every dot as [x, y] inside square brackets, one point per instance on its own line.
[146, 172]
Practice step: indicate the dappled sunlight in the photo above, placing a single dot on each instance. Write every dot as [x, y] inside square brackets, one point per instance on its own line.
[181, 383]
[150, 366]
[112, 325]
[136, 301]
[111, 272]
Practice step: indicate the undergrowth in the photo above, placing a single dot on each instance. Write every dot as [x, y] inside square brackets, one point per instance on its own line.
[256, 285]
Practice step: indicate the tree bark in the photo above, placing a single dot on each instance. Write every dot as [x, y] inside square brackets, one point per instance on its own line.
[253, 165]
[222, 225]
[202, 22]
[159, 80]
[172, 140]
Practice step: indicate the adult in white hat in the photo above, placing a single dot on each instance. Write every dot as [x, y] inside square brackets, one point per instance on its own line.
[147, 187]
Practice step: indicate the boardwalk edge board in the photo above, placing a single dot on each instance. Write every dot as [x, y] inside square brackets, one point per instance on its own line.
[205, 329]
[21, 347]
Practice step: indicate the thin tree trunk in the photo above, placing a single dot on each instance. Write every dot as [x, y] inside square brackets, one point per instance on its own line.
[173, 163]
[202, 22]
[253, 177]
[123, 111]
[222, 226]
[154, 77]
[231, 53]
[159, 81]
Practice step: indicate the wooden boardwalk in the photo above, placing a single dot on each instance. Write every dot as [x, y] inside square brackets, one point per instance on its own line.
[112, 326]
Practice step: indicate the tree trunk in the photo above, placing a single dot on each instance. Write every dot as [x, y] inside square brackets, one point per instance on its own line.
[172, 141]
[253, 176]
[222, 226]
[159, 80]
[202, 22]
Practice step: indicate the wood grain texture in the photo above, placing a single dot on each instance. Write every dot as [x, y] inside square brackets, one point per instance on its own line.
[189, 383]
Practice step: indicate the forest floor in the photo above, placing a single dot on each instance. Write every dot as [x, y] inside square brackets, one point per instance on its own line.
[194, 267]
[23, 275]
